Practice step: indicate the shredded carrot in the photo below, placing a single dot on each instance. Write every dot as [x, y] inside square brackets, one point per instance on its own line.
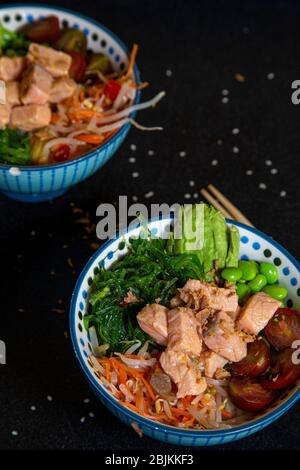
[137, 410]
[120, 369]
[179, 412]
[107, 371]
[186, 401]
[54, 118]
[132, 60]
[93, 139]
[226, 413]
[81, 95]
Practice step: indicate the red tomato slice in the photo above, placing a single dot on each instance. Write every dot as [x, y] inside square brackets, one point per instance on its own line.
[112, 89]
[257, 360]
[249, 394]
[284, 328]
[78, 66]
[283, 371]
[44, 30]
[61, 153]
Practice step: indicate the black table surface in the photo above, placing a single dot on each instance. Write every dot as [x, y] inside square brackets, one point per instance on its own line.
[193, 51]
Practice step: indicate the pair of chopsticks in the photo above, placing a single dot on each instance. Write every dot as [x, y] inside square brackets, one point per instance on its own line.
[222, 204]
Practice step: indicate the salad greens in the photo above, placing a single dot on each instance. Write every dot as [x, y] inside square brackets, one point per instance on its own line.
[153, 269]
[15, 147]
[11, 43]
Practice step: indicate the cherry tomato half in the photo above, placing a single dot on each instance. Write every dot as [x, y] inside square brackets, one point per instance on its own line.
[112, 89]
[78, 66]
[249, 394]
[283, 371]
[44, 30]
[61, 153]
[283, 328]
[257, 360]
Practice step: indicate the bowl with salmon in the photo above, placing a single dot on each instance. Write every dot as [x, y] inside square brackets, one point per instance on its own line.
[69, 92]
[190, 346]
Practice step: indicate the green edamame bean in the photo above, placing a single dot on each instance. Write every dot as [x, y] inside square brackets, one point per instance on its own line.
[258, 283]
[249, 269]
[242, 290]
[277, 292]
[269, 271]
[231, 274]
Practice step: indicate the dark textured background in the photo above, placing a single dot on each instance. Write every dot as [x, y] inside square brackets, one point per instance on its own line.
[204, 44]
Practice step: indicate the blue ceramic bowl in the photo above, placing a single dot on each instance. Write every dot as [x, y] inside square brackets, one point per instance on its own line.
[254, 245]
[44, 182]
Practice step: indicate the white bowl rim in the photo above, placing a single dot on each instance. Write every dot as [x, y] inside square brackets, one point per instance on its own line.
[124, 128]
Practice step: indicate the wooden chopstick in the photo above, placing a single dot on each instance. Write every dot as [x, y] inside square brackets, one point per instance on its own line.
[222, 203]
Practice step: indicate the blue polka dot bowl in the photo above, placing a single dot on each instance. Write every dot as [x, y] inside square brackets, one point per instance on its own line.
[254, 245]
[44, 182]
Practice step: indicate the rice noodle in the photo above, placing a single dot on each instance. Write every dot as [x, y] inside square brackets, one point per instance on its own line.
[59, 141]
[144, 349]
[167, 408]
[133, 348]
[137, 363]
[128, 396]
[61, 128]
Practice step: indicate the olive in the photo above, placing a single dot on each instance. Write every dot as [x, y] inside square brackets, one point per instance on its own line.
[99, 63]
[72, 40]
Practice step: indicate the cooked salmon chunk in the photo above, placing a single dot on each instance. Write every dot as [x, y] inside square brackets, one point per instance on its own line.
[222, 338]
[31, 116]
[183, 331]
[212, 362]
[11, 68]
[257, 312]
[62, 89]
[4, 115]
[202, 295]
[57, 63]
[35, 85]
[153, 320]
[12, 93]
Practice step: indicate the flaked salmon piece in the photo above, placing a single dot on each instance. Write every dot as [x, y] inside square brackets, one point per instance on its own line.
[184, 331]
[56, 62]
[202, 295]
[31, 116]
[222, 338]
[62, 88]
[35, 85]
[153, 320]
[12, 93]
[257, 312]
[11, 68]
[183, 373]
[4, 115]
[212, 362]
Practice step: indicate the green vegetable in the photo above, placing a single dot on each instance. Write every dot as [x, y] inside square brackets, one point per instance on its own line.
[11, 43]
[15, 147]
[231, 274]
[258, 283]
[269, 271]
[72, 40]
[277, 292]
[249, 270]
[99, 63]
[242, 291]
[234, 247]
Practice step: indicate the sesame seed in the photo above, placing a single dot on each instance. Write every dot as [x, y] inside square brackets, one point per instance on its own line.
[82, 420]
[182, 153]
[262, 186]
[273, 171]
[225, 92]
[132, 160]
[235, 131]
[135, 174]
[33, 408]
[169, 73]
[150, 153]
[133, 147]
[225, 100]
[86, 400]
[214, 162]
[192, 183]
[219, 141]
[282, 193]
[235, 149]
[270, 76]
[187, 196]
[249, 172]
[91, 414]
[14, 171]
[149, 194]
[14, 433]
[49, 398]
[134, 198]
[268, 162]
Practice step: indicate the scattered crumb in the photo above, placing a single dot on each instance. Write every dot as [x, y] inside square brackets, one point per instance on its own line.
[60, 311]
[132, 160]
[214, 162]
[282, 193]
[273, 171]
[137, 429]
[235, 131]
[91, 414]
[14, 433]
[268, 162]
[271, 76]
[182, 153]
[149, 194]
[66, 334]
[33, 408]
[169, 73]
[239, 77]
[135, 198]
[21, 310]
[192, 183]
[195, 195]
[225, 92]
[187, 196]
[77, 210]
[52, 272]
[235, 149]
[49, 397]
[86, 400]
[70, 263]
[14, 171]
[82, 420]
[32, 233]
[94, 245]
[225, 100]
[150, 153]
[133, 147]
[219, 141]
[135, 174]
[262, 186]
[249, 172]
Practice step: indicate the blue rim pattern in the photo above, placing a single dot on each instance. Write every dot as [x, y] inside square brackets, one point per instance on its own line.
[158, 430]
[39, 182]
